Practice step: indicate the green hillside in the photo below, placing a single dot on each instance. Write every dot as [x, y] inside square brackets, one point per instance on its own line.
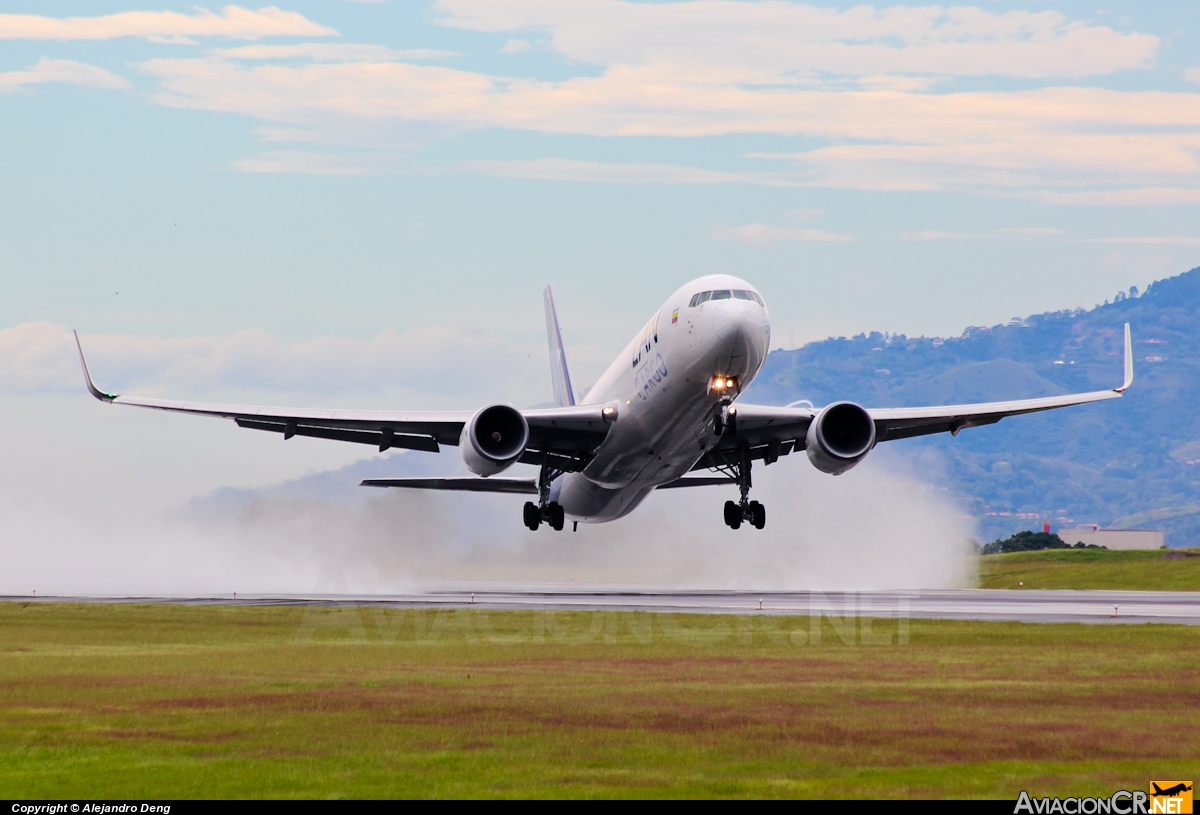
[1092, 569]
[1125, 464]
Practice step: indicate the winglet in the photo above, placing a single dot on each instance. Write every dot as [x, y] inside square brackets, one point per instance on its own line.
[1128, 362]
[99, 394]
[560, 377]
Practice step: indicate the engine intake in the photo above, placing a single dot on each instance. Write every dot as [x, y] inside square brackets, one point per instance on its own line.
[840, 437]
[493, 439]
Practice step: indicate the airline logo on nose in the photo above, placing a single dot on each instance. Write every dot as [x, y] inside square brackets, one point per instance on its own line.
[674, 316]
[1170, 797]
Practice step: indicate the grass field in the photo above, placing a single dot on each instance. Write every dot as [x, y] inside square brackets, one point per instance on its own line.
[165, 701]
[1093, 569]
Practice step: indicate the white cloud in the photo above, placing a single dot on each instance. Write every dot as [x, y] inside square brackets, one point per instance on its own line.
[933, 235]
[41, 357]
[1028, 231]
[516, 47]
[1040, 139]
[232, 21]
[1149, 239]
[787, 42]
[62, 70]
[1192, 74]
[303, 162]
[331, 52]
[763, 235]
[1137, 197]
[560, 169]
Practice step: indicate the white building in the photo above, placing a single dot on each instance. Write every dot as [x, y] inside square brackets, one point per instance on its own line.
[1113, 538]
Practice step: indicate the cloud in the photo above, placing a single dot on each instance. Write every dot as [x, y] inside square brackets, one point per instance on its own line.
[1150, 239]
[62, 70]
[1138, 197]
[788, 42]
[331, 52]
[560, 169]
[232, 21]
[516, 47]
[304, 162]
[933, 235]
[1028, 231]
[980, 141]
[40, 357]
[763, 235]
[1192, 74]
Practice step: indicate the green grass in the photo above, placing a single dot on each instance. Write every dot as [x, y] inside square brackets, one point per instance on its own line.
[169, 701]
[1093, 569]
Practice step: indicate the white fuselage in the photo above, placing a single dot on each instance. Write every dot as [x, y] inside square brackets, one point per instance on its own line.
[662, 384]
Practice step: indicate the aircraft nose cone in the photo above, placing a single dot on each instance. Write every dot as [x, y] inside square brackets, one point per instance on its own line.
[730, 317]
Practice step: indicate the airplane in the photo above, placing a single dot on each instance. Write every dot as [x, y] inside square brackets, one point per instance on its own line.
[666, 407]
[1170, 792]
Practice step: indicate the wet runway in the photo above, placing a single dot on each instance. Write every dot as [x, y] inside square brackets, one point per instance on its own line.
[963, 604]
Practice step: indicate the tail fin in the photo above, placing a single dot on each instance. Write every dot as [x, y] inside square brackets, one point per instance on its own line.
[560, 377]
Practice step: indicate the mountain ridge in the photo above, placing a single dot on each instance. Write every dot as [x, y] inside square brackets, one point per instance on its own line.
[1115, 463]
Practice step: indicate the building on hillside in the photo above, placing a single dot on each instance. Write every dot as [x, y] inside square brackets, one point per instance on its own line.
[1113, 538]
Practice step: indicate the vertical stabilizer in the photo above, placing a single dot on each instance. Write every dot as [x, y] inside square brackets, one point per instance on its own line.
[560, 377]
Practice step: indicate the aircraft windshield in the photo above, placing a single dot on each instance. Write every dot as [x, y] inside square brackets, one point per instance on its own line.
[725, 294]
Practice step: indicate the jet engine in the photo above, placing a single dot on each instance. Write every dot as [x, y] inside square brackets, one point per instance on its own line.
[493, 439]
[840, 437]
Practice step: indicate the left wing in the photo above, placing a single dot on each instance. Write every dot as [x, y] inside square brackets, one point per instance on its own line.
[564, 437]
[770, 432]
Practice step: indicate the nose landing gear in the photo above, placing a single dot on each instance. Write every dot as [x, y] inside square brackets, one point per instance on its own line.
[545, 510]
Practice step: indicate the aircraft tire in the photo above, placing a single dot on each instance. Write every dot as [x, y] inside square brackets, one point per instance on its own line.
[558, 518]
[758, 515]
[733, 515]
[532, 516]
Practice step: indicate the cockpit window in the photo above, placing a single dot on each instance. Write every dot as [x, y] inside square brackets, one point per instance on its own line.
[702, 297]
[741, 294]
[722, 294]
[758, 299]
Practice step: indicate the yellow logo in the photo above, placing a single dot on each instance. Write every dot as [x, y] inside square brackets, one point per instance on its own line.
[1170, 797]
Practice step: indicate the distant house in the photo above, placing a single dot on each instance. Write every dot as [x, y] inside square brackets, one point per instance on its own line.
[1113, 538]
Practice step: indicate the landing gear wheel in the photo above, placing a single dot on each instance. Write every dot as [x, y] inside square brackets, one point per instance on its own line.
[758, 515]
[558, 518]
[532, 516]
[733, 515]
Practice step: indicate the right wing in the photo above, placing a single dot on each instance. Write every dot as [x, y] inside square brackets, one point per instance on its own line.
[768, 432]
[563, 437]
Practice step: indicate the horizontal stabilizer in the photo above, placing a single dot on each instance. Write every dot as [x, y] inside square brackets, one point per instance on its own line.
[696, 482]
[525, 486]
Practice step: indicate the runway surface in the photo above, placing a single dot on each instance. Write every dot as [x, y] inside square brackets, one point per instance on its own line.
[964, 604]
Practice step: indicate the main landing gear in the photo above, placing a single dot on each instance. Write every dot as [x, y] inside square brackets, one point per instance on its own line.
[552, 513]
[545, 510]
[752, 512]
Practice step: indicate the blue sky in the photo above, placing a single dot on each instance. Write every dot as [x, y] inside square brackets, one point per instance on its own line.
[358, 203]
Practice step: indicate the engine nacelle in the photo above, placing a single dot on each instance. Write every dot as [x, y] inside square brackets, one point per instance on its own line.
[493, 439]
[840, 437]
